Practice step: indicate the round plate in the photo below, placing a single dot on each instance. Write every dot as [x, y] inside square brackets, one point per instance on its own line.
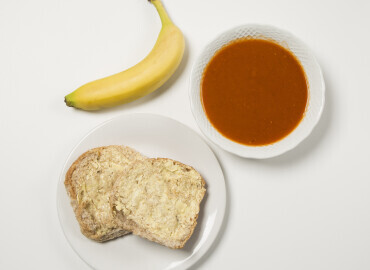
[153, 136]
[316, 88]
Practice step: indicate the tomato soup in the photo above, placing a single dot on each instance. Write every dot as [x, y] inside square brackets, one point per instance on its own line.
[254, 92]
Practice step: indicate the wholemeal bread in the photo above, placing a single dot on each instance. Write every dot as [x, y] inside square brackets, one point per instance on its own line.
[158, 199]
[89, 184]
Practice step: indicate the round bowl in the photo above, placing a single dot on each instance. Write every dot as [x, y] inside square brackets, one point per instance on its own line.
[315, 81]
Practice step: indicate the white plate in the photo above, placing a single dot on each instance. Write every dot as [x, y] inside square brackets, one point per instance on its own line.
[153, 136]
[316, 88]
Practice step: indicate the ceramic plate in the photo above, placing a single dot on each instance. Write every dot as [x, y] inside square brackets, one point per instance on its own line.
[153, 136]
[316, 89]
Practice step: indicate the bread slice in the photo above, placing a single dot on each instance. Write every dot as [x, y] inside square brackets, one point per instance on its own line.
[159, 199]
[89, 183]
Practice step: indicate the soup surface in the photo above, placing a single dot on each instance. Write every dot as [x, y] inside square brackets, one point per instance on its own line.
[254, 91]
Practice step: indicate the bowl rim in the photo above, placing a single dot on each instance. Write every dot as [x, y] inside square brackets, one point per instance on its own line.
[245, 150]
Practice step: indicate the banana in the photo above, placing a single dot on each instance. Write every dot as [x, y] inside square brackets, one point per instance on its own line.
[143, 78]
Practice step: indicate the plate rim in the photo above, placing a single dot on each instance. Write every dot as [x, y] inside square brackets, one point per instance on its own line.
[220, 217]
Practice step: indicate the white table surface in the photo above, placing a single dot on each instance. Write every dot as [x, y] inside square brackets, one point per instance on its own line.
[307, 209]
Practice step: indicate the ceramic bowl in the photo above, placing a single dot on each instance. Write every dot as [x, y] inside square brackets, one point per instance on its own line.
[316, 89]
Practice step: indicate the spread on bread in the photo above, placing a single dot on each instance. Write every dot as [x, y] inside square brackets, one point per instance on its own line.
[161, 197]
[89, 182]
[115, 190]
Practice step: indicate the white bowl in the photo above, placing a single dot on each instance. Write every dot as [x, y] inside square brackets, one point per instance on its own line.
[316, 90]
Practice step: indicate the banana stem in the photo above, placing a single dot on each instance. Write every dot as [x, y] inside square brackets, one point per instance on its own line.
[161, 11]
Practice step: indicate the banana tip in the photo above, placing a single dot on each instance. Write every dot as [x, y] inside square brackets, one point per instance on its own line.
[68, 102]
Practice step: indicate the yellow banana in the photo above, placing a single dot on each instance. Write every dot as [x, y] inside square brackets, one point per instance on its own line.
[139, 80]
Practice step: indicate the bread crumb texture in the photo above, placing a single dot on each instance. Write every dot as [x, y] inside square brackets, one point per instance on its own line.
[162, 197]
[89, 183]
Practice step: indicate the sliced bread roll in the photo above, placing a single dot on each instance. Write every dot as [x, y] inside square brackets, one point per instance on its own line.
[159, 199]
[89, 183]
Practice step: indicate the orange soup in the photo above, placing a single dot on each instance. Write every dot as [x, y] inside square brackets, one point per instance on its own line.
[254, 92]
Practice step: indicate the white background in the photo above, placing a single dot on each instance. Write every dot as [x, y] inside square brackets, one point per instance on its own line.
[308, 209]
